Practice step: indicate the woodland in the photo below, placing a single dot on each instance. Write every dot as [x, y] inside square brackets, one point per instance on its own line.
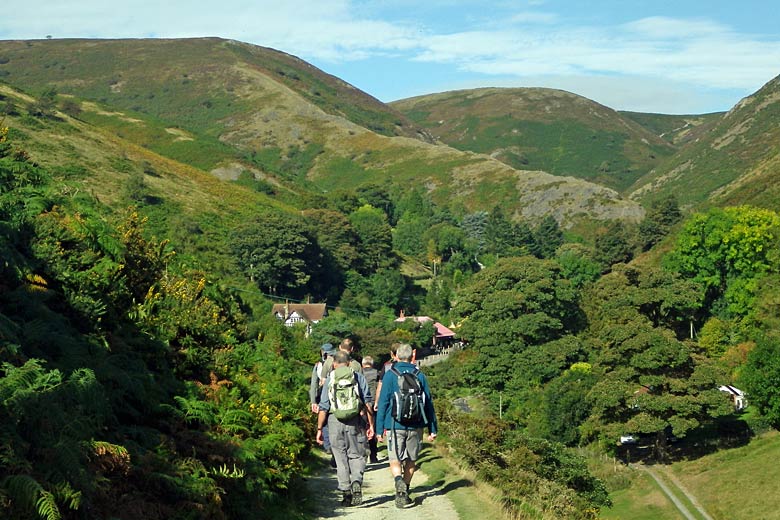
[144, 376]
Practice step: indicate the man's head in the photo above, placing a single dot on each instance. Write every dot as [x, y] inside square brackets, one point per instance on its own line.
[340, 358]
[394, 350]
[327, 350]
[404, 352]
[368, 361]
[346, 345]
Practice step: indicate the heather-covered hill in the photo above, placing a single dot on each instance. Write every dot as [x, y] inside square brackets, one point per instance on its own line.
[545, 129]
[230, 108]
[736, 162]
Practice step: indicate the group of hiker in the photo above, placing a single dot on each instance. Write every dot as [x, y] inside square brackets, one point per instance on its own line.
[358, 406]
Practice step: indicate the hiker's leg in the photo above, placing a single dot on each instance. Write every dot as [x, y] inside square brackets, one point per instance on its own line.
[395, 452]
[409, 467]
[338, 446]
[395, 468]
[412, 446]
[356, 451]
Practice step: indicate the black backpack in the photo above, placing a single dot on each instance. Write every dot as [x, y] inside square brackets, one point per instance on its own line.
[409, 400]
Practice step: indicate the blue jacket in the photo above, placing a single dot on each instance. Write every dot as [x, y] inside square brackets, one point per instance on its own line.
[384, 413]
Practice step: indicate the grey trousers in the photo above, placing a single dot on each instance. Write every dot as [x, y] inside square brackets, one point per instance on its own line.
[348, 444]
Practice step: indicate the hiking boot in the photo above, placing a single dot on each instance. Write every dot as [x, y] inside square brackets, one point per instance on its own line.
[401, 494]
[346, 498]
[357, 493]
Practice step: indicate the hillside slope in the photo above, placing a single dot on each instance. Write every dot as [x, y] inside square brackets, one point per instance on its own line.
[736, 162]
[227, 107]
[544, 129]
[678, 130]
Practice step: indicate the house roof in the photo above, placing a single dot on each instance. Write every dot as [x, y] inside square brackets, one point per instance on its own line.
[733, 390]
[310, 311]
[442, 331]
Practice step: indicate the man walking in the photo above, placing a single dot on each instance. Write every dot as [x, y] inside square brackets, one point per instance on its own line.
[372, 378]
[405, 407]
[344, 407]
[315, 389]
[347, 346]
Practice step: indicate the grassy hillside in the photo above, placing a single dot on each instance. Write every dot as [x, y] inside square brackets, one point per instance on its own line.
[734, 163]
[733, 484]
[675, 129]
[226, 107]
[544, 129]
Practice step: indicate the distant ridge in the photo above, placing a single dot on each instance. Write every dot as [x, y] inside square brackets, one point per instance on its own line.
[545, 129]
[737, 161]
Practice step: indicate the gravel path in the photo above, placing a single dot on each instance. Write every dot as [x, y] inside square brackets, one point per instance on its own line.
[430, 503]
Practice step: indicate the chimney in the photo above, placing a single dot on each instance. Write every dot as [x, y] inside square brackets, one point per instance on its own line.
[286, 309]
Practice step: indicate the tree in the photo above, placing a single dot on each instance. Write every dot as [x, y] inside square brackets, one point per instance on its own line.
[387, 288]
[376, 238]
[761, 377]
[653, 383]
[547, 237]
[577, 264]
[335, 236]
[408, 236]
[499, 236]
[661, 216]
[728, 251]
[512, 305]
[376, 196]
[276, 253]
[613, 245]
[475, 226]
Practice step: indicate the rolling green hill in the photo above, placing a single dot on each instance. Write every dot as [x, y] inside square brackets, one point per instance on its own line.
[535, 128]
[678, 130]
[227, 107]
[736, 162]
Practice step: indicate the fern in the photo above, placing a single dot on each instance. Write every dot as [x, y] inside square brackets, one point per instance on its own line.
[23, 489]
[235, 421]
[195, 410]
[225, 472]
[31, 496]
[47, 507]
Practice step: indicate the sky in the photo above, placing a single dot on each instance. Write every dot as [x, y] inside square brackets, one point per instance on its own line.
[671, 57]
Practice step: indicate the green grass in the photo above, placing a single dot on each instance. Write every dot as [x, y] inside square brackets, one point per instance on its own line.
[469, 500]
[731, 484]
[643, 500]
[737, 484]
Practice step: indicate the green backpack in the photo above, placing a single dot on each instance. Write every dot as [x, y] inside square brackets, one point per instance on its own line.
[343, 394]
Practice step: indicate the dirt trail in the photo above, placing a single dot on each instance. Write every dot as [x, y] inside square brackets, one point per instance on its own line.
[430, 503]
[671, 495]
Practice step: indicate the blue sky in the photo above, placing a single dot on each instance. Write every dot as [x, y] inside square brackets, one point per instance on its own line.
[672, 57]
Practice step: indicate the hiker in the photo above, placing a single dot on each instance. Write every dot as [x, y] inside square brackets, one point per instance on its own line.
[405, 407]
[372, 378]
[315, 389]
[385, 369]
[347, 346]
[344, 407]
